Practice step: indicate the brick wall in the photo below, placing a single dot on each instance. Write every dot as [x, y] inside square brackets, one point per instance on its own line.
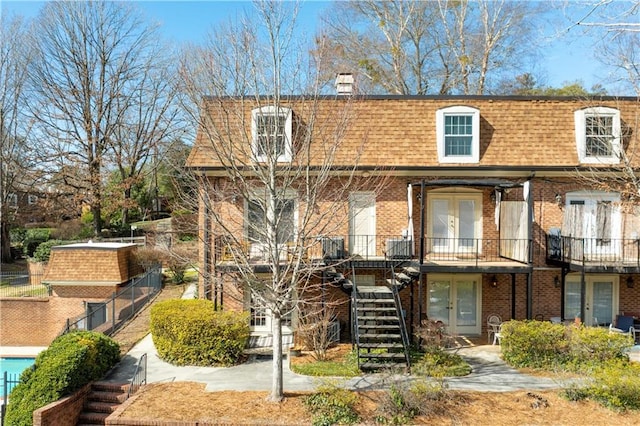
[65, 411]
[35, 321]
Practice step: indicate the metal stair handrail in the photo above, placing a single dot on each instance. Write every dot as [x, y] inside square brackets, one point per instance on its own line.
[139, 376]
[403, 326]
[354, 313]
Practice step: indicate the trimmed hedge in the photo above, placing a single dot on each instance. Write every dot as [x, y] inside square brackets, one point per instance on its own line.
[70, 362]
[540, 344]
[192, 332]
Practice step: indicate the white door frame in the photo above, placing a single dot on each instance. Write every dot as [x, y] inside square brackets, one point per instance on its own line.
[456, 309]
[574, 280]
[362, 223]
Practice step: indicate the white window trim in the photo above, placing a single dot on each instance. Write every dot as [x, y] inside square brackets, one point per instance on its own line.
[257, 248]
[452, 196]
[475, 141]
[32, 199]
[12, 199]
[288, 146]
[581, 137]
[599, 196]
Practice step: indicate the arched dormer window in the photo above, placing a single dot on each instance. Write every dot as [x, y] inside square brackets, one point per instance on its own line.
[458, 134]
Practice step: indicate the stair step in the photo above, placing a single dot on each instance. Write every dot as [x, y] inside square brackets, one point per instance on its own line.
[101, 407]
[379, 326]
[383, 355]
[110, 386]
[93, 418]
[380, 336]
[376, 301]
[379, 365]
[381, 318]
[401, 276]
[412, 271]
[376, 308]
[386, 345]
[103, 396]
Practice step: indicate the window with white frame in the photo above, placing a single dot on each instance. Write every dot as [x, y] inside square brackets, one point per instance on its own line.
[12, 199]
[271, 131]
[263, 217]
[458, 134]
[598, 135]
[260, 315]
[32, 199]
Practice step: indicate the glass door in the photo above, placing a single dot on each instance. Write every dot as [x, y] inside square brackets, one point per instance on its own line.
[455, 223]
[455, 300]
[601, 299]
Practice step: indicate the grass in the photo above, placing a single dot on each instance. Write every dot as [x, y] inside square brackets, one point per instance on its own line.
[435, 363]
[346, 366]
[23, 291]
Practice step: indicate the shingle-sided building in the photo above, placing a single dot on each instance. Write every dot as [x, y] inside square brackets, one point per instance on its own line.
[486, 209]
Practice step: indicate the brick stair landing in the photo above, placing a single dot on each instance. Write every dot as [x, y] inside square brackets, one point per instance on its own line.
[103, 399]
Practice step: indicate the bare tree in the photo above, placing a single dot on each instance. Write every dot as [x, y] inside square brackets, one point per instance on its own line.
[89, 74]
[16, 162]
[273, 171]
[417, 47]
[150, 121]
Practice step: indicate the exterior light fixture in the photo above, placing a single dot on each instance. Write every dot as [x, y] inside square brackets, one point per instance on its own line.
[559, 200]
[556, 281]
[494, 281]
[630, 282]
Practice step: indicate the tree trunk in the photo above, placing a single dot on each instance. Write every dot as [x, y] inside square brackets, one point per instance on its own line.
[277, 391]
[5, 239]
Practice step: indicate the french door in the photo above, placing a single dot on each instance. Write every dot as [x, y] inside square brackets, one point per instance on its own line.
[601, 298]
[455, 299]
[455, 222]
[362, 214]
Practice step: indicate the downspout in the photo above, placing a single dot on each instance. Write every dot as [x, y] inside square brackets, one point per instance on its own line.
[421, 251]
[529, 195]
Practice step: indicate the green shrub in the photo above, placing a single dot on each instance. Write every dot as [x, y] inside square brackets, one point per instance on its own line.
[404, 401]
[535, 344]
[616, 386]
[437, 362]
[332, 404]
[43, 251]
[347, 367]
[191, 332]
[33, 238]
[539, 344]
[72, 361]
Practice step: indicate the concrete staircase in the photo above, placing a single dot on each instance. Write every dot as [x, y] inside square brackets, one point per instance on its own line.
[103, 399]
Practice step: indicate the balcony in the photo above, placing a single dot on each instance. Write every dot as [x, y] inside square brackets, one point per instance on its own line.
[371, 251]
[594, 254]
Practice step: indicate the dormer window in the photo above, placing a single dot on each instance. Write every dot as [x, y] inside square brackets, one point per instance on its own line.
[458, 134]
[271, 131]
[598, 135]
[12, 199]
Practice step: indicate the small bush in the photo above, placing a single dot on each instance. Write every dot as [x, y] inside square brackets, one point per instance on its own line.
[437, 362]
[70, 362]
[332, 404]
[33, 238]
[534, 344]
[191, 332]
[148, 258]
[539, 344]
[404, 401]
[616, 386]
[43, 252]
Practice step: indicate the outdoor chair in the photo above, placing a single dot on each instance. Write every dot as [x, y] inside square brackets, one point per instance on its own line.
[624, 324]
[493, 326]
[497, 335]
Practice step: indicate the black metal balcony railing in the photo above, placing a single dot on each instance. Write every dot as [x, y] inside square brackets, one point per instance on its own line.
[595, 252]
[380, 247]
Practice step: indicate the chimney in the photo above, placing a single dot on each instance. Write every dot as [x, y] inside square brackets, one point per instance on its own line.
[344, 84]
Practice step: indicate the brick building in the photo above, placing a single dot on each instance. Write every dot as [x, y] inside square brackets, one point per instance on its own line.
[486, 209]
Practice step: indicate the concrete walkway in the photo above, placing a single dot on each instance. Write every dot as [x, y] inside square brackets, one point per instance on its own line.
[489, 372]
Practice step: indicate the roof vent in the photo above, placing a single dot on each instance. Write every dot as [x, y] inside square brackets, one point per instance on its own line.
[344, 84]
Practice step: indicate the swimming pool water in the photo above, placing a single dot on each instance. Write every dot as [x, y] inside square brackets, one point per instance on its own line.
[13, 367]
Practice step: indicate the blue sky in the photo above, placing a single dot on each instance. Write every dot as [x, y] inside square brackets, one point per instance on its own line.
[567, 59]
